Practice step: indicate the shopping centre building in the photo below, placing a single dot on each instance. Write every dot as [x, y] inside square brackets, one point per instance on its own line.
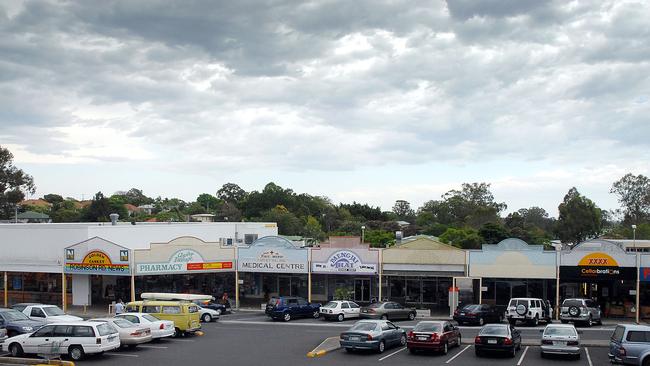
[95, 264]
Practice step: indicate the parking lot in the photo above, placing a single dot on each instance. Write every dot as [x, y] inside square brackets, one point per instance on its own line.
[251, 338]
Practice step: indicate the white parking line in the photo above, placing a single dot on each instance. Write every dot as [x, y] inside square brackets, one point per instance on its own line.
[153, 347]
[120, 354]
[458, 354]
[522, 356]
[182, 340]
[392, 354]
[588, 357]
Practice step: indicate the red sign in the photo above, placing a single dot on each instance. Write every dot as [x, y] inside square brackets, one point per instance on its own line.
[207, 266]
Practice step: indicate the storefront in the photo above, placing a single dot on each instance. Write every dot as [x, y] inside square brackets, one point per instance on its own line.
[345, 273]
[644, 285]
[271, 266]
[185, 265]
[601, 270]
[419, 272]
[100, 271]
[513, 268]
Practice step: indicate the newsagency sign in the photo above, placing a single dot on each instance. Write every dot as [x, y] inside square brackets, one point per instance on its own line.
[95, 262]
[272, 259]
[183, 261]
[344, 262]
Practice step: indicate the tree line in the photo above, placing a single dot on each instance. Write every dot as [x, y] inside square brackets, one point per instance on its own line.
[465, 217]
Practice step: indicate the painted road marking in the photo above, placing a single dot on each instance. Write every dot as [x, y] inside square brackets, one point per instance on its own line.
[522, 356]
[183, 340]
[458, 354]
[120, 354]
[152, 347]
[392, 354]
[588, 357]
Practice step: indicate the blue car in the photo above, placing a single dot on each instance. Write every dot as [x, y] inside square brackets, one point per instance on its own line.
[18, 323]
[287, 308]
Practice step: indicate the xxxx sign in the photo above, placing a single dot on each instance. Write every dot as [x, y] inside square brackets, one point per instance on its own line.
[598, 260]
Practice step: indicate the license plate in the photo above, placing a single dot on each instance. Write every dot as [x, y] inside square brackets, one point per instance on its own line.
[422, 338]
[462, 313]
[559, 343]
[355, 338]
[492, 341]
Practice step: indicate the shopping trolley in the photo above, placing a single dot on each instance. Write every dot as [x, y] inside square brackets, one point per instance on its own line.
[50, 351]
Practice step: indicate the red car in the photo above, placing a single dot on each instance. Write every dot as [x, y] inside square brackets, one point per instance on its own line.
[435, 336]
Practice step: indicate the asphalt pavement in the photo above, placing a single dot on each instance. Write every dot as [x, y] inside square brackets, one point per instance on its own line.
[249, 338]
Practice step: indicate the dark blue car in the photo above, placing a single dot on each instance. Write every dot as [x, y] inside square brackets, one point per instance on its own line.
[287, 308]
[18, 323]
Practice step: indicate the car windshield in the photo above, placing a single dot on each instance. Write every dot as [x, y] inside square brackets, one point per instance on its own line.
[568, 303]
[330, 305]
[13, 315]
[123, 323]
[363, 327]
[559, 331]
[150, 318]
[53, 311]
[105, 329]
[472, 308]
[427, 327]
[492, 330]
[375, 305]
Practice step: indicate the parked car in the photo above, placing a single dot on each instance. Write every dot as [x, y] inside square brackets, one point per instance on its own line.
[560, 339]
[208, 315]
[221, 307]
[77, 339]
[288, 307]
[131, 335]
[478, 314]
[183, 314]
[3, 335]
[17, 323]
[580, 311]
[497, 338]
[340, 310]
[159, 328]
[630, 345]
[374, 335]
[529, 310]
[433, 335]
[47, 313]
[387, 311]
[21, 306]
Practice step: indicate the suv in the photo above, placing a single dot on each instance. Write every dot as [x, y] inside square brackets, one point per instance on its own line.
[287, 308]
[630, 345]
[529, 310]
[584, 311]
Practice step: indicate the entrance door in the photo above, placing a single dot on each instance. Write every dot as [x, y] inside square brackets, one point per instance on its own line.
[362, 290]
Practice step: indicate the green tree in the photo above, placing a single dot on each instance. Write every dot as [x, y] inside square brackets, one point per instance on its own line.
[14, 184]
[579, 218]
[231, 192]
[634, 195]
[313, 229]
[288, 223]
[492, 233]
[404, 211]
[208, 201]
[99, 209]
[462, 238]
[379, 238]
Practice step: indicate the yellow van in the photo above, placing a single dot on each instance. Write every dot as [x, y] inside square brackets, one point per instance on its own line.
[184, 314]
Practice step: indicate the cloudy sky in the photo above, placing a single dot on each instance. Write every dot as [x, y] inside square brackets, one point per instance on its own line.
[356, 100]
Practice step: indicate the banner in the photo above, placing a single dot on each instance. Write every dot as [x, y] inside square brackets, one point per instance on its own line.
[344, 262]
[95, 262]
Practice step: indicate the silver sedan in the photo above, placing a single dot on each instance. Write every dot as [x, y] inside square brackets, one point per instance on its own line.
[131, 335]
[560, 339]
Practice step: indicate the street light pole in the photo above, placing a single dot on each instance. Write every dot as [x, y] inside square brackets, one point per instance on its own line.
[634, 237]
[363, 234]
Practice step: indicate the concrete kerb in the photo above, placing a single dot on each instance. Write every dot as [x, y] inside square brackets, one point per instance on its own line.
[33, 361]
[328, 345]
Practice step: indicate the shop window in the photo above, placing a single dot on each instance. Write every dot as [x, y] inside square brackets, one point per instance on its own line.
[413, 290]
[397, 288]
[429, 292]
[318, 284]
[519, 289]
[502, 292]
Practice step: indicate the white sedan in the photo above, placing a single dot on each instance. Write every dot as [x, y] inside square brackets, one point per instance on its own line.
[340, 310]
[208, 315]
[159, 328]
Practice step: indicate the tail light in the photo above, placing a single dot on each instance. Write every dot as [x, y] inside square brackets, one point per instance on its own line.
[477, 340]
[507, 341]
[572, 343]
[546, 341]
[371, 310]
[622, 352]
[472, 314]
[456, 312]
[435, 337]
[410, 335]
[162, 326]
[136, 333]
[369, 337]
[98, 341]
[278, 302]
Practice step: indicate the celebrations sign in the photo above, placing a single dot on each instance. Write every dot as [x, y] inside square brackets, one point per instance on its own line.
[97, 262]
[598, 266]
[344, 262]
[184, 260]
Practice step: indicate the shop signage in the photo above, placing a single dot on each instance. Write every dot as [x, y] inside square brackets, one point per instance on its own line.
[345, 262]
[598, 266]
[272, 260]
[184, 260]
[95, 262]
[644, 274]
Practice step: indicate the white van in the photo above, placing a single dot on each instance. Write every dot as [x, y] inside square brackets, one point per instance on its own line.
[75, 339]
[529, 310]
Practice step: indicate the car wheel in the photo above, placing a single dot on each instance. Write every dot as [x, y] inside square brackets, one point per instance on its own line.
[445, 348]
[513, 353]
[535, 321]
[286, 317]
[382, 347]
[478, 353]
[590, 322]
[412, 351]
[459, 341]
[384, 317]
[206, 318]
[349, 350]
[481, 321]
[218, 312]
[316, 314]
[411, 316]
[340, 318]
[542, 354]
[402, 341]
[131, 346]
[15, 350]
[578, 356]
[76, 353]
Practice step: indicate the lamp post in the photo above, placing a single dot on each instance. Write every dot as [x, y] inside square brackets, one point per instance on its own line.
[634, 237]
[363, 234]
